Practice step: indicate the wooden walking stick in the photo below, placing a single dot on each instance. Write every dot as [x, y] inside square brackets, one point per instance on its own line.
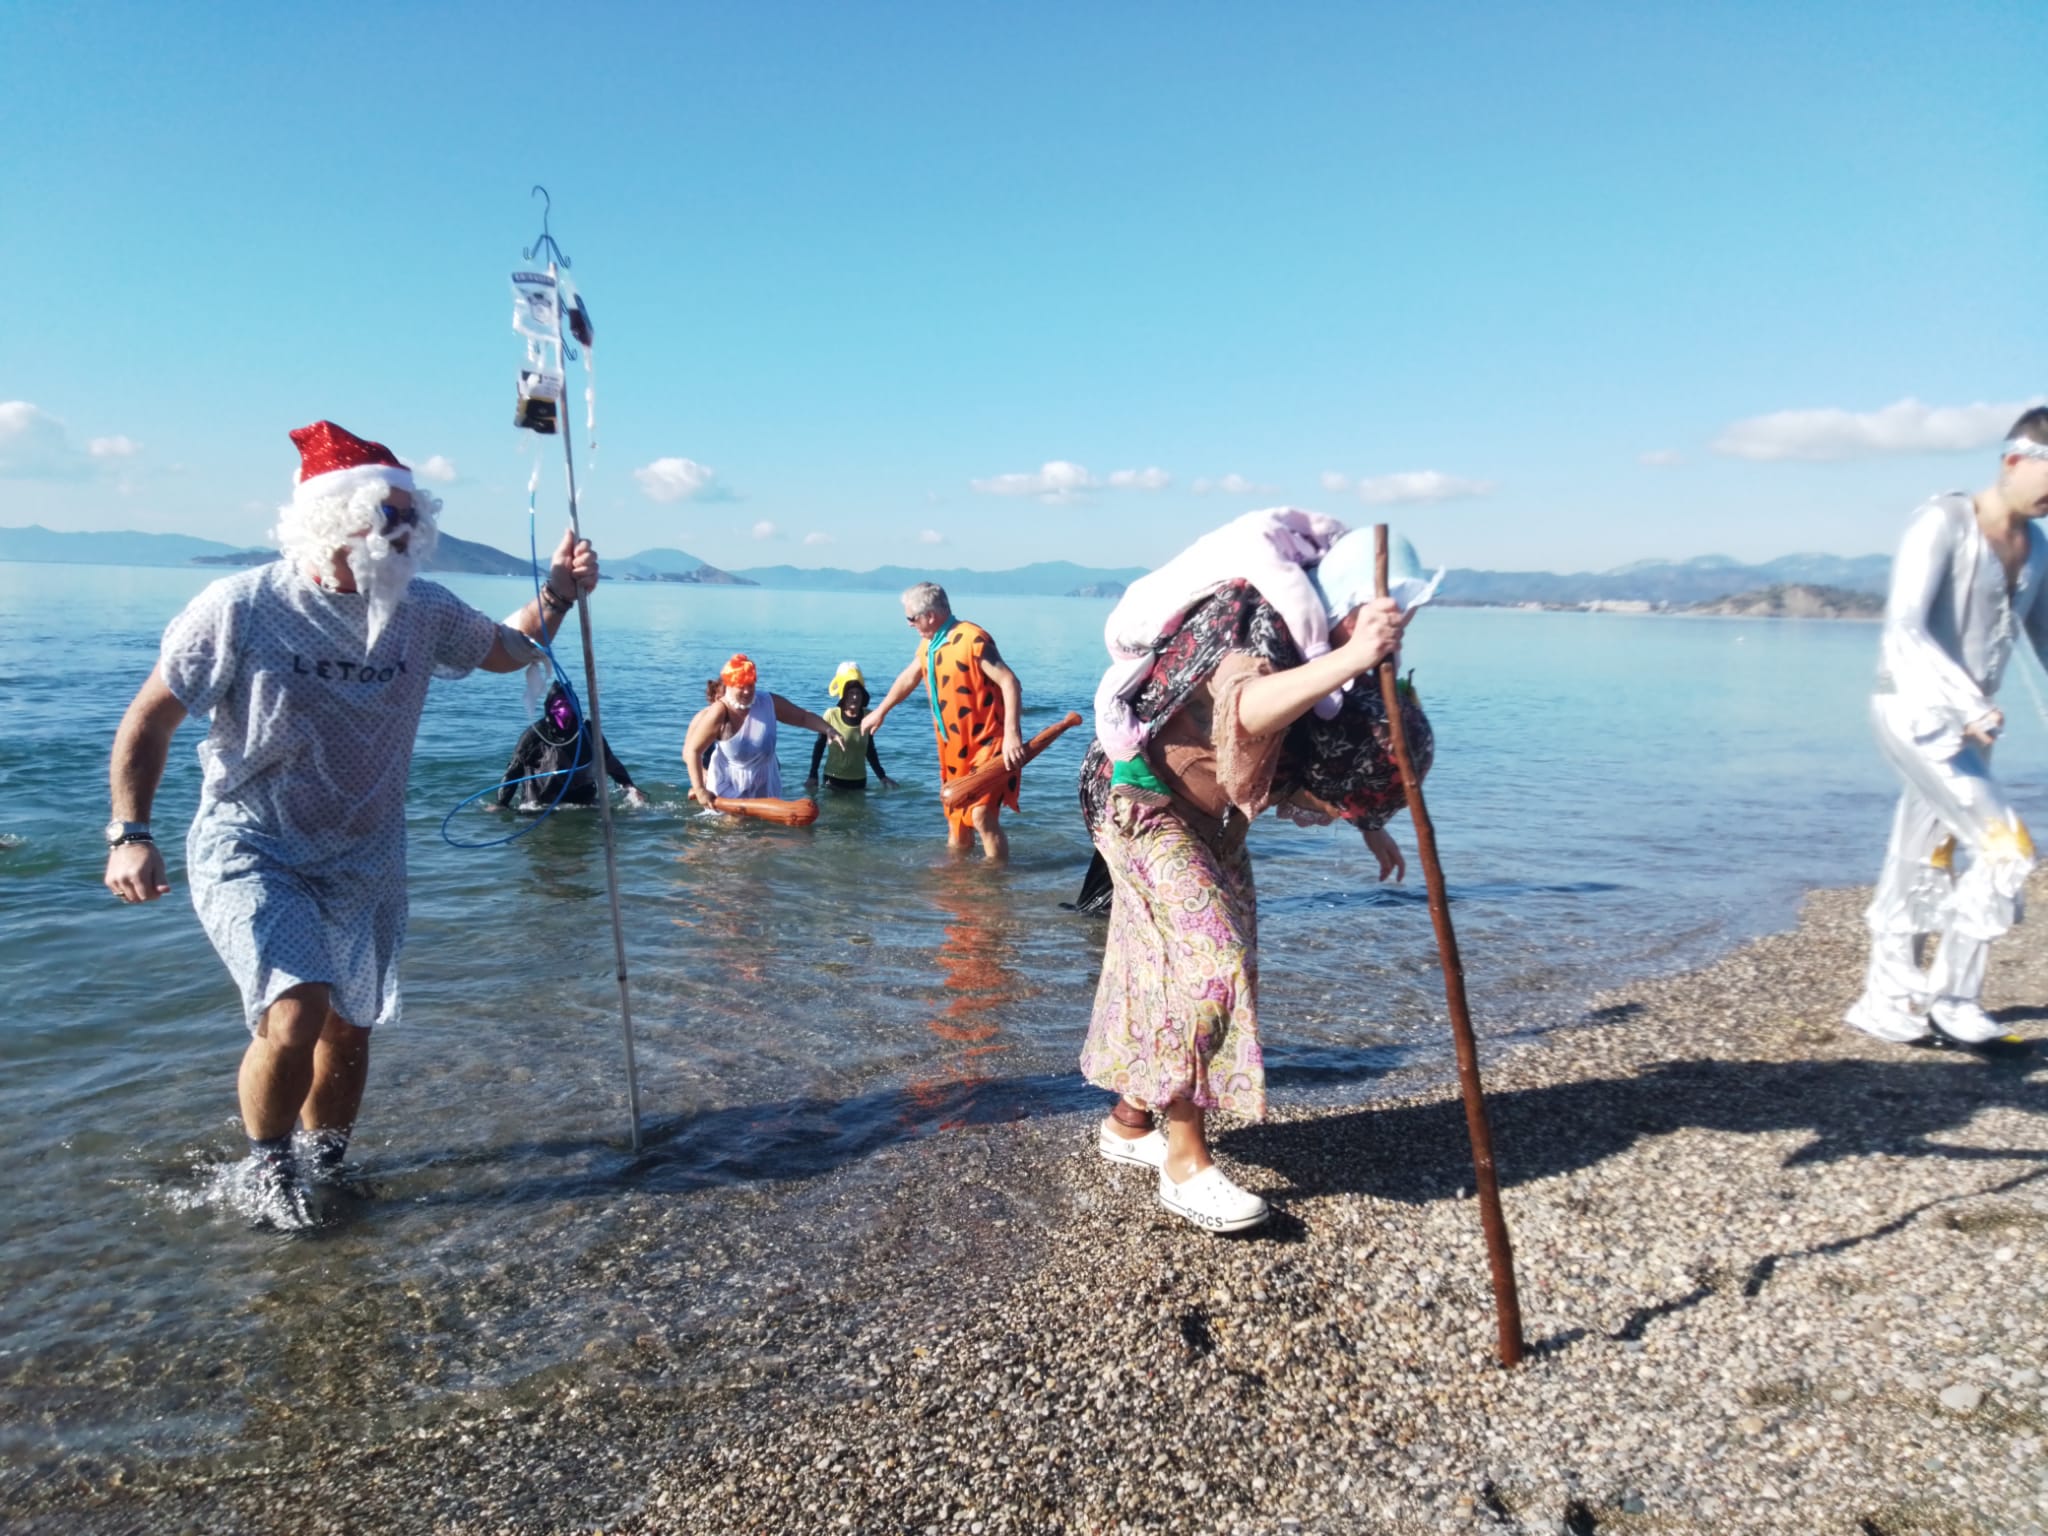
[1500, 1256]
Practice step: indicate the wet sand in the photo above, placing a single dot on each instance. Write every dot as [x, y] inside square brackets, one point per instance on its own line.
[1776, 1277]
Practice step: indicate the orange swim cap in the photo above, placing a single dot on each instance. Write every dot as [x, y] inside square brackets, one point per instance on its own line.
[738, 673]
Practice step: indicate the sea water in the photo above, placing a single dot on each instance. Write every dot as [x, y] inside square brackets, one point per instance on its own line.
[1613, 795]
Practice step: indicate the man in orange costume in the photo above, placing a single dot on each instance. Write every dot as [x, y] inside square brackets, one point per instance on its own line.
[975, 704]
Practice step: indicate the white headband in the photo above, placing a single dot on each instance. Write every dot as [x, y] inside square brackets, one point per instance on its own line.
[2022, 448]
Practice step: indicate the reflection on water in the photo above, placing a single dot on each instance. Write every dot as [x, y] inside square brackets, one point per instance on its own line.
[976, 965]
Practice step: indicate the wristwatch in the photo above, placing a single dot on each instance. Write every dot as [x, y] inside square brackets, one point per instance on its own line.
[119, 832]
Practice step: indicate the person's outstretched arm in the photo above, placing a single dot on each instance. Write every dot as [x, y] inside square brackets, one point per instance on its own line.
[796, 714]
[698, 741]
[142, 745]
[817, 757]
[899, 690]
[572, 572]
[1278, 699]
[875, 760]
[616, 772]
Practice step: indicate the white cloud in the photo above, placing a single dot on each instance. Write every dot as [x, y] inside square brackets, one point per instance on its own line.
[1419, 485]
[116, 447]
[1332, 481]
[675, 479]
[1661, 458]
[817, 538]
[35, 446]
[931, 536]
[1062, 480]
[439, 469]
[1055, 480]
[1229, 485]
[1820, 436]
[766, 530]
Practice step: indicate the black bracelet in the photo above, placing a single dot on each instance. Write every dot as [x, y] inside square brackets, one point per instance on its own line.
[550, 598]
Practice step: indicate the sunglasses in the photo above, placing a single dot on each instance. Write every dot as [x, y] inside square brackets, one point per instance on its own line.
[399, 517]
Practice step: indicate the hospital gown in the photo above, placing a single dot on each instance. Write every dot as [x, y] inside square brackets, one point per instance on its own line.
[296, 856]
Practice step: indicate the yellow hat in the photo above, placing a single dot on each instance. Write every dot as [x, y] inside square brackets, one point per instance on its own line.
[849, 672]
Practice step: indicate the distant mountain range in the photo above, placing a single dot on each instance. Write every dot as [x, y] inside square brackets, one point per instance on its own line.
[673, 565]
[37, 545]
[1676, 584]
[1795, 600]
[1047, 578]
[459, 556]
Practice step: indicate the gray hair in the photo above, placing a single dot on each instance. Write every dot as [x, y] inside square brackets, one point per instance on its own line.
[926, 597]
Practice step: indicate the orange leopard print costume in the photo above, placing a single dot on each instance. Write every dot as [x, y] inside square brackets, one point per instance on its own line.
[968, 717]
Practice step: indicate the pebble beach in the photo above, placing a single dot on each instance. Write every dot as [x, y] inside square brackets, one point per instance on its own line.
[1775, 1276]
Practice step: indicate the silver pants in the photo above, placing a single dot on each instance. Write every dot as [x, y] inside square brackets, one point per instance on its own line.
[1956, 868]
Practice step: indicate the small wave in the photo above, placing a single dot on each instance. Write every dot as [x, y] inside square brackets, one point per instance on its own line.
[231, 1189]
[1414, 894]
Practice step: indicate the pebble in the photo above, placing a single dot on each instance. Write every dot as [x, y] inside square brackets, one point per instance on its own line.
[1962, 1398]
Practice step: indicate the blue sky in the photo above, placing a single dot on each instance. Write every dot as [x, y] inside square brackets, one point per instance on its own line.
[1546, 281]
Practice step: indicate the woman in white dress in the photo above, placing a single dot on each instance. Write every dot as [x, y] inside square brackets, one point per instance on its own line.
[730, 748]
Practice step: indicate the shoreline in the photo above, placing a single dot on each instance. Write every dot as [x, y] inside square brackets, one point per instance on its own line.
[1775, 1276]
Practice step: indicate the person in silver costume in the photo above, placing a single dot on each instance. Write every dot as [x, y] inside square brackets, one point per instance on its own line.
[1967, 582]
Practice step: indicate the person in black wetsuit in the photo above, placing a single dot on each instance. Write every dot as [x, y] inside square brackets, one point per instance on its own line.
[553, 744]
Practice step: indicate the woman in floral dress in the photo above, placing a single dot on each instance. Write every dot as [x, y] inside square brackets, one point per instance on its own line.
[1228, 730]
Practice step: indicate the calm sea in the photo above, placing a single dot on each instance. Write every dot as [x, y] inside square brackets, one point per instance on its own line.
[1613, 795]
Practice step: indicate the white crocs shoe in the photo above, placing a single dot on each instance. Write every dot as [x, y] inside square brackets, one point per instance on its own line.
[1886, 1022]
[1964, 1021]
[1210, 1200]
[1147, 1151]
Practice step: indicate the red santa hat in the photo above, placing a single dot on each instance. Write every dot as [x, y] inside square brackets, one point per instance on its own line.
[333, 460]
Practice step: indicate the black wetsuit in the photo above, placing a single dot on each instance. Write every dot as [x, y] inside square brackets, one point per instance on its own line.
[544, 750]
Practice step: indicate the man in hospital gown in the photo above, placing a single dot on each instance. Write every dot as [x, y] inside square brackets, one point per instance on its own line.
[312, 671]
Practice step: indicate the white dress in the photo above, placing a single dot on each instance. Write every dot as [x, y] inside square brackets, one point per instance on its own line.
[1959, 854]
[743, 765]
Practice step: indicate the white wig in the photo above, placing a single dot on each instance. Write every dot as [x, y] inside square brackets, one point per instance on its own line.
[323, 520]
[318, 523]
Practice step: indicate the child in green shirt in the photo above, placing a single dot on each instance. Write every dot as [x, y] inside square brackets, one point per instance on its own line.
[844, 751]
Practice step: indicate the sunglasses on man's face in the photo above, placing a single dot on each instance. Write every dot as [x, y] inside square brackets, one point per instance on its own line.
[400, 517]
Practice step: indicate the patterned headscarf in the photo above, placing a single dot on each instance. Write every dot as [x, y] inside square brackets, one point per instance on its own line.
[1347, 762]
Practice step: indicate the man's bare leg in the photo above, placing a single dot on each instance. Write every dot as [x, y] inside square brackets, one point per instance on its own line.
[341, 1066]
[995, 842]
[277, 1069]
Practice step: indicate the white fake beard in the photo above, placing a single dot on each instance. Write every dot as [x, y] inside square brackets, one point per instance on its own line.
[312, 528]
[382, 575]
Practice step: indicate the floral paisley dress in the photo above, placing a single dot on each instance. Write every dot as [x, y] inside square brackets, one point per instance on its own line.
[1176, 1009]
